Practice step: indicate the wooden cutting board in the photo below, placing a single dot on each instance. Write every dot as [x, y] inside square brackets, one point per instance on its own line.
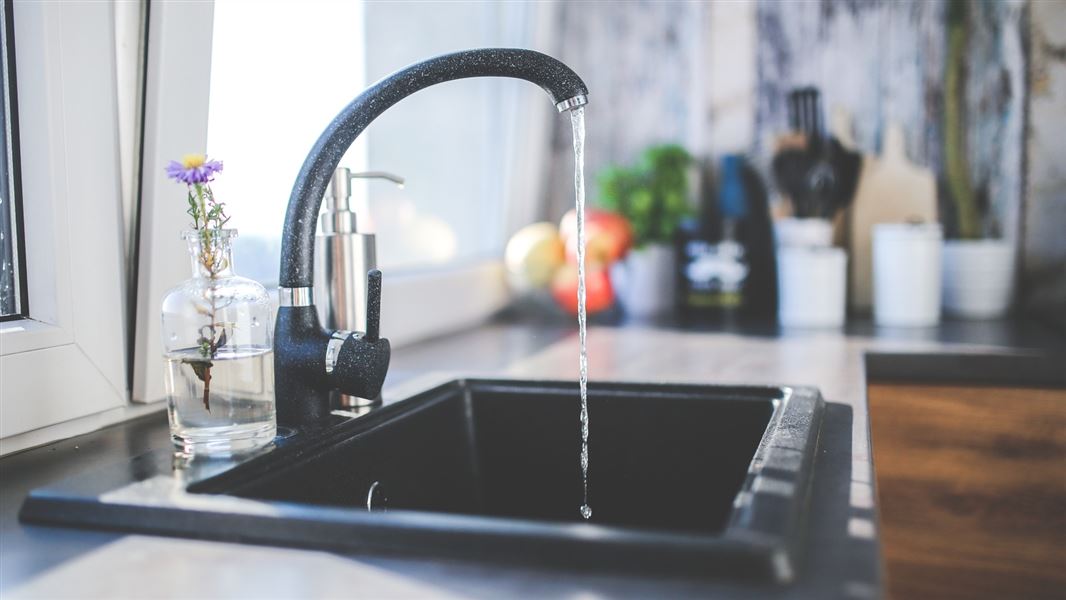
[971, 489]
[890, 190]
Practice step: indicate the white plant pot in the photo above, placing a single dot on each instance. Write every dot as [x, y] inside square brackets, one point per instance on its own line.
[645, 280]
[978, 278]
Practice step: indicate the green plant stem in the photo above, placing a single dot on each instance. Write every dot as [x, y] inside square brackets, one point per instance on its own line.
[957, 165]
[211, 263]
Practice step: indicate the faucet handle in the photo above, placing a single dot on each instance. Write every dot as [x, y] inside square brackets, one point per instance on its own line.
[359, 365]
[373, 305]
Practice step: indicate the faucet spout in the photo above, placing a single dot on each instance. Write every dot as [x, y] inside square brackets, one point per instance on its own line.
[310, 362]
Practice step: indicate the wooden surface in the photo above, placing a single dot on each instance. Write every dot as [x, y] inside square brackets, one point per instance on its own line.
[971, 482]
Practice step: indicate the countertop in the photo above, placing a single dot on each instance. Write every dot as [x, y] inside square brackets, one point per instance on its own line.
[842, 559]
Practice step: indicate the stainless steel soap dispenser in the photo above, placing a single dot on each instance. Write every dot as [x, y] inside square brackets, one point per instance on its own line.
[343, 256]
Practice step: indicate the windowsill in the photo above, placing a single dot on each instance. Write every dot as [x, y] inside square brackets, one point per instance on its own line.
[27, 334]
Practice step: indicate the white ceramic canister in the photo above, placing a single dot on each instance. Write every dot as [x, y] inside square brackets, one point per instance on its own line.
[812, 286]
[906, 263]
[978, 278]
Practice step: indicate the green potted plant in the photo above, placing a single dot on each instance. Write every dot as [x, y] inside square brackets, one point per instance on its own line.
[978, 264]
[653, 196]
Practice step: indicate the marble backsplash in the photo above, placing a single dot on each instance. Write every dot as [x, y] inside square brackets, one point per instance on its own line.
[679, 72]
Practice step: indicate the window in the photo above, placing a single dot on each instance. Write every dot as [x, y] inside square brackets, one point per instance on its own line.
[472, 151]
[12, 271]
[269, 102]
[256, 91]
[279, 72]
[63, 361]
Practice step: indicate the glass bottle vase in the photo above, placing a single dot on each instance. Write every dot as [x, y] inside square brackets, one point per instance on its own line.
[218, 341]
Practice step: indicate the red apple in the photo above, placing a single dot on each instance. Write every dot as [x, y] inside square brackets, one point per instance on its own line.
[598, 292]
[608, 236]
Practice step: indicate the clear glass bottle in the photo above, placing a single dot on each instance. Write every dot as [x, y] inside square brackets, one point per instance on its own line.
[218, 340]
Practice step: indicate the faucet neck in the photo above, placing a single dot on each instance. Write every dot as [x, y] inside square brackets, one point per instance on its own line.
[297, 246]
[309, 362]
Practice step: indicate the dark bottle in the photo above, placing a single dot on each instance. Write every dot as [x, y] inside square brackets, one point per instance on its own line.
[725, 257]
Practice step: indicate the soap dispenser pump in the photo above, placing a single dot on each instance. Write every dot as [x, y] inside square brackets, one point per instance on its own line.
[343, 256]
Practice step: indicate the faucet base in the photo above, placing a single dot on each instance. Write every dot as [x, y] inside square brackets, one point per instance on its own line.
[309, 364]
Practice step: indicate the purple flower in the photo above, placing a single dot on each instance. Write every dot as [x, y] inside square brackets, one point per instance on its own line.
[193, 168]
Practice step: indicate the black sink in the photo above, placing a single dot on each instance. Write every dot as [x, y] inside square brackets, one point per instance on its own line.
[704, 479]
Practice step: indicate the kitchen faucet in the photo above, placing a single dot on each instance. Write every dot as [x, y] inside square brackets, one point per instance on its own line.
[309, 361]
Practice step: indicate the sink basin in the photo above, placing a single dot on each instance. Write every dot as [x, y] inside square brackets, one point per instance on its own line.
[703, 479]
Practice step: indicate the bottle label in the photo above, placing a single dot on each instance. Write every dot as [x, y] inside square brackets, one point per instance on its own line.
[715, 274]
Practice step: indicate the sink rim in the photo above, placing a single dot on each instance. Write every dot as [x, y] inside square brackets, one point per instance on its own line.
[762, 535]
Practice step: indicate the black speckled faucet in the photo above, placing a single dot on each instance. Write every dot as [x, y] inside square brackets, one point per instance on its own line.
[309, 361]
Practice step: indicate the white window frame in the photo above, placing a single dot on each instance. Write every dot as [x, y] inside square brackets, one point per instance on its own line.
[415, 305]
[177, 89]
[63, 369]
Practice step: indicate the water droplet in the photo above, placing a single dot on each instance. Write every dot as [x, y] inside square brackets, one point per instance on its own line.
[586, 511]
[173, 337]
[255, 321]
